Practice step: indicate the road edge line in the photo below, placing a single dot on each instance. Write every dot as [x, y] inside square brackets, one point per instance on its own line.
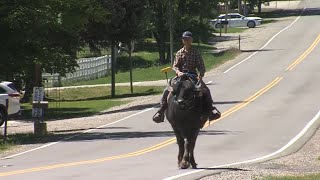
[285, 150]
[70, 137]
[266, 43]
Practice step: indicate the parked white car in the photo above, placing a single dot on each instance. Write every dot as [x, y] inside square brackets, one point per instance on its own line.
[8, 91]
[236, 20]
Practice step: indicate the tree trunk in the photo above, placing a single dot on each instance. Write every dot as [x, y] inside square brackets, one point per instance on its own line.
[161, 47]
[130, 60]
[29, 83]
[113, 66]
[259, 6]
[240, 6]
[245, 8]
[161, 30]
[169, 55]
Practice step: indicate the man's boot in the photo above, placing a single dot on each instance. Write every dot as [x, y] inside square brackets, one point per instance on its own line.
[214, 114]
[159, 116]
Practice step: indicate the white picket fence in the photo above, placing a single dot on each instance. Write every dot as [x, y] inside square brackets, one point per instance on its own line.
[89, 68]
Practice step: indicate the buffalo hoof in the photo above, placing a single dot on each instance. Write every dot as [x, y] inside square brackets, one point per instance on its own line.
[194, 166]
[184, 165]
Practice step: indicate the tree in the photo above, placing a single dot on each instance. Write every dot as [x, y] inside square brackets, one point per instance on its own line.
[132, 28]
[46, 32]
[193, 16]
[188, 15]
[257, 3]
[125, 25]
[159, 19]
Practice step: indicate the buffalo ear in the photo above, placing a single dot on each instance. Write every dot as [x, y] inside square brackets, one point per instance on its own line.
[198, 86]
[175, 87]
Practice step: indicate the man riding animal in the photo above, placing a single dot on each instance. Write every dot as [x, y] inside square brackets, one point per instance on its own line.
[188, 60]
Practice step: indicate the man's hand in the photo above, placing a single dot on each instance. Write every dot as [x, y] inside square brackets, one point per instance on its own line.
[180, 74]
[200, 78]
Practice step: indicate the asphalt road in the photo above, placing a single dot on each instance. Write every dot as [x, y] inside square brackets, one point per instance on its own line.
[266, 101]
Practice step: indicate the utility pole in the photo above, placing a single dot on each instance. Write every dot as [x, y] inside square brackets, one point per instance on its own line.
[171, 31]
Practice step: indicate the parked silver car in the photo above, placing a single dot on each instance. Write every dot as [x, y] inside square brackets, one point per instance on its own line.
[235, 20]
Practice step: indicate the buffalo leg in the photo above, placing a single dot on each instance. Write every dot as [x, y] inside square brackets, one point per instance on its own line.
[185, 160]
[192, 146]
[180, 142]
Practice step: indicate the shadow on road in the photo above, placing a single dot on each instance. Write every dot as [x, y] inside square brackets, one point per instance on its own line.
[133, 108]
[227, 169]
[224, 169]
[290, 12]
[229, 102]
[259, 50]
[69, 136]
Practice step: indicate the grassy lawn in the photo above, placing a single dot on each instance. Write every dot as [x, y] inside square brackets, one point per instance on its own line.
[307, 177]
[83, 102]
[85, 53]
[268, 21]
[28, 138]
[145, 61]
[232, 30]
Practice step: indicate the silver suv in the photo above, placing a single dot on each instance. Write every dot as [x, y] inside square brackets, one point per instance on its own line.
[8, 91]
[3, 107]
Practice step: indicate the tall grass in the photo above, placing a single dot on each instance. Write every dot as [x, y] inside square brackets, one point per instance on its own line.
[306, 177]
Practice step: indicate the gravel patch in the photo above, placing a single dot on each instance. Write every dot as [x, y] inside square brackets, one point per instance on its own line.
[304, 161]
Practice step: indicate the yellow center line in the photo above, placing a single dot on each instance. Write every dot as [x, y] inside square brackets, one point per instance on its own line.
[304, 55]
[248, 100]
[143, 151]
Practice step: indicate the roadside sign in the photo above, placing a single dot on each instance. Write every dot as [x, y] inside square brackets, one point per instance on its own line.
[38, 94]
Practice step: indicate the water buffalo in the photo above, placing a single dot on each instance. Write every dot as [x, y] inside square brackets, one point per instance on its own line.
[185, 114]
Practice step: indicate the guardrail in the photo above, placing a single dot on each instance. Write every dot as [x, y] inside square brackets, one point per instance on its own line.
[89, 68]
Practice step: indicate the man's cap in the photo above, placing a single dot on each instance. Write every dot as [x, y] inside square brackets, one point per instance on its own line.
[186, 34]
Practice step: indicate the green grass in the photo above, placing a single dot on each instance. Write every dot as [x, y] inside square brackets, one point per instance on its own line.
[236, 30]
[146, 70]
[268, 21]
[72, 109]
[85, 53]
[27, 138]
[100, 93]
[81, 102]
[306, 177]
[231, 30]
